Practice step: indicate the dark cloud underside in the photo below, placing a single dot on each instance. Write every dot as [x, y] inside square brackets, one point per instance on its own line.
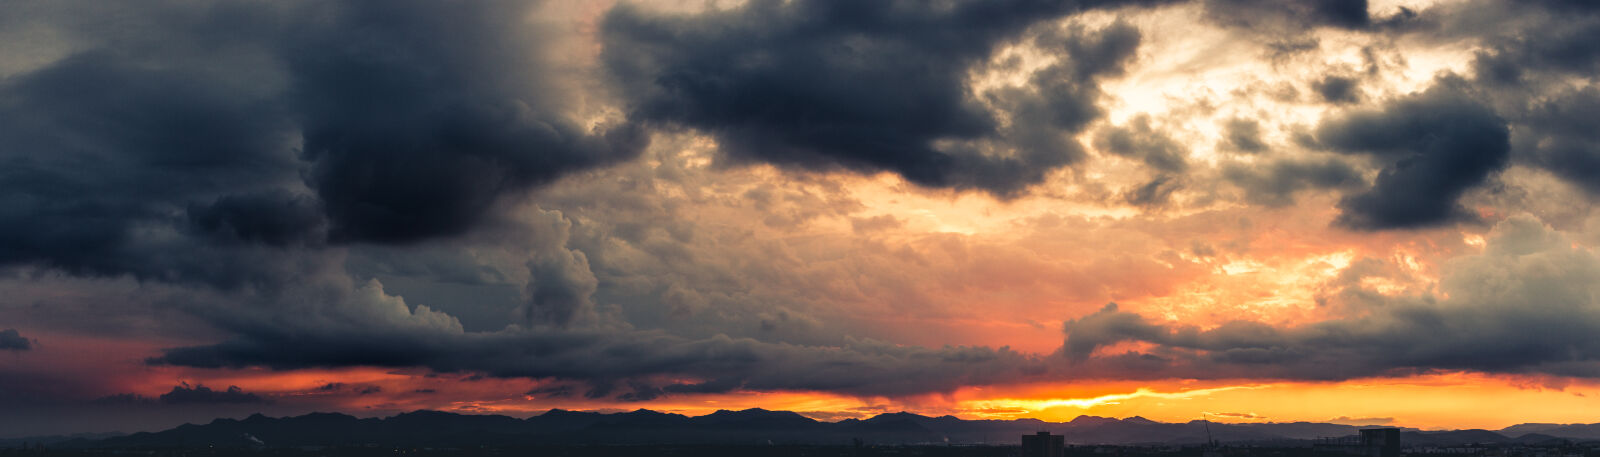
[1564, 138]
[200, 394]
[1275, 183]
[417, 132]
[1524, 306]
[1435, 145]
[12, 340]
[342, 122]
[275, 157]
[862, 367]
[1272, 14]
[865, 86]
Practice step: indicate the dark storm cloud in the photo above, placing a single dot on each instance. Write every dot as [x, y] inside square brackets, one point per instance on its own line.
[1139, 141]
[1564, 138]
[1435, 146]
[124, 399]
[200, 394]
[1276, 182]
[12, 340]
[641, 392]
[1350, 14]
[1526, 305]
[412, 122]
[865, 86]
[342, 121]
[89, 161]
[1338, 89]
[1529, 66]
[559, 289]
[1243, 135]
[553, 391]
[858, 366]
[1563, 37]
[1563, 5]
[273, 218]
[421, 129]
[1060, 101]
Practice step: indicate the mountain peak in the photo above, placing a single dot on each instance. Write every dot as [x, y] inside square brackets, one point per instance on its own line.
[427, 413]
[558, 413]
[754, 417]
[902, 415]
[322, 416]
[1091, 420]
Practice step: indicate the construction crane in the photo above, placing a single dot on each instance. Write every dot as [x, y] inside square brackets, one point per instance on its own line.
[1211, 444]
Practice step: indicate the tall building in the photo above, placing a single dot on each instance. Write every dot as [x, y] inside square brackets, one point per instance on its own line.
[1381, 442]
[1043, 444]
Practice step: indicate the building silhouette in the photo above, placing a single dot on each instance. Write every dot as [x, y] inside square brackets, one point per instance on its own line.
[1043, 444]
[1381, 442]
[1372, 442]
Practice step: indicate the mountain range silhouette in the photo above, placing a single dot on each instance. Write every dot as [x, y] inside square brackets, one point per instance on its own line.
[759, 426]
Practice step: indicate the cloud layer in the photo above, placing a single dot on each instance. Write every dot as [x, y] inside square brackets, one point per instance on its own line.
[1524, 306]
[642, 201]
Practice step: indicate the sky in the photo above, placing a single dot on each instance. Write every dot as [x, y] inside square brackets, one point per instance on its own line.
[1362, 212]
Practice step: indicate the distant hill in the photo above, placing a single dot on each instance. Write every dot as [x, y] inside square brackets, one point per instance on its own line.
[1452, 437]
[1572, 431]
[757, 426]
[51, 440]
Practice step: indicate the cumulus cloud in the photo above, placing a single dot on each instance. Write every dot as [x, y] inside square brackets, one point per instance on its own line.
[1524, 306]
[1561, 138]
[1244, 135]
[559, 288]
[1435, 145]
[869, 87]
[1276, 182]
[342, 143]
[447, 97]
[1556, 37]
[200, 394]
[1338, 89]
[1140, 141]
[331, 122]
[251, 149]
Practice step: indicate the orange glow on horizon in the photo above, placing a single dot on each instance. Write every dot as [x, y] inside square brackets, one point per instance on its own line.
[1432, 401]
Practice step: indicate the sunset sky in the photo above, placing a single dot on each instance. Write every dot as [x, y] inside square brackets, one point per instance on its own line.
[1361, 212]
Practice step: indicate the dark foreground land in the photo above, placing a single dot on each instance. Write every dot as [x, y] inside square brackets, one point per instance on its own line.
[757, 432]
[1570, 450]
[647, 451]
[559, 451]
